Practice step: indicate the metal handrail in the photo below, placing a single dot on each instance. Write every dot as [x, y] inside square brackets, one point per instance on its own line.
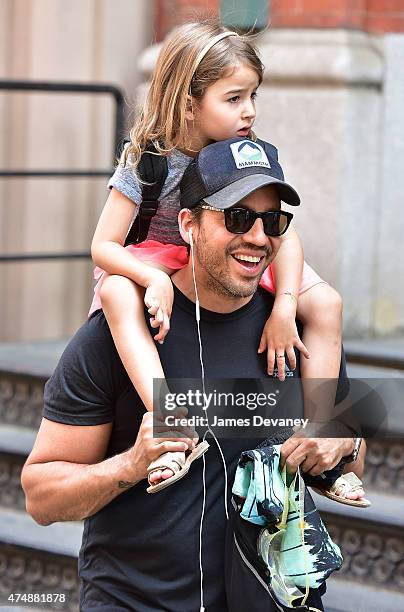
[45, 256]
[69, 87]
[54, 173]
[64, 87]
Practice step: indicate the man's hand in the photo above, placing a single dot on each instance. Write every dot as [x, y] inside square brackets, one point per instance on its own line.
[146, 449]
[314, 455]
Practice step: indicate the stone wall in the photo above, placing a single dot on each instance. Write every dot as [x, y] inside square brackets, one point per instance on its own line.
[321, 104]
[92, 41]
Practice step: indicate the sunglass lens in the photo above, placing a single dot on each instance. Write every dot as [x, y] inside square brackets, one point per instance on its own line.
[238, 220]
[275, 224]
[241, 220]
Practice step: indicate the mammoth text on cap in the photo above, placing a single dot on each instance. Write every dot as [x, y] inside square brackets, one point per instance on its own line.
[248, 153]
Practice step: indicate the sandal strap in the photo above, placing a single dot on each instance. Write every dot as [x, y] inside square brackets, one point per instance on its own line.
[171, 460]
[348, 483]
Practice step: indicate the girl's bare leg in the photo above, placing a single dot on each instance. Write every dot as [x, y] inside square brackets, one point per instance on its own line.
[123, 306]
[320, 311]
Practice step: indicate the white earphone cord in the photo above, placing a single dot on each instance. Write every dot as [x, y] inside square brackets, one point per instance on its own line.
[198, 317]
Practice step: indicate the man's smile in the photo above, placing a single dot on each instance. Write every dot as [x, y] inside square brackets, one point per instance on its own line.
[248, 262]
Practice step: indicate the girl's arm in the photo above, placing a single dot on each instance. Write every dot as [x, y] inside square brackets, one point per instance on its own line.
[109, 253]
[280, 333]
[288, 266]
[107, 248]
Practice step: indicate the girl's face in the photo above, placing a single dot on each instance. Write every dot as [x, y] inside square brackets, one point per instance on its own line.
[227, 108]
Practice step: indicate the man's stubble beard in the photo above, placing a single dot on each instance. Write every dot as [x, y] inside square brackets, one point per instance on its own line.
[217, 280]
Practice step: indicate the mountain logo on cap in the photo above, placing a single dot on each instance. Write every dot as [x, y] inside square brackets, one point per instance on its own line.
[248, 153]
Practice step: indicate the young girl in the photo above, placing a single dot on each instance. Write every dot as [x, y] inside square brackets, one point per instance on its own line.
[203, 89]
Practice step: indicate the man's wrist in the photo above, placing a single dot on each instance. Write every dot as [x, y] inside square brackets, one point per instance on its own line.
[354, 445]
[349, 445]
[128, 474]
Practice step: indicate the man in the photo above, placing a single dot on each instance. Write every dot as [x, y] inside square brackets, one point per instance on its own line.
[141, 552]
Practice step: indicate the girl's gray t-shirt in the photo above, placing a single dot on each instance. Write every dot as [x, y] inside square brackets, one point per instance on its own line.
[164, 225]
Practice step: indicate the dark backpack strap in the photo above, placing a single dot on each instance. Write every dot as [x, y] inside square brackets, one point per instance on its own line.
[151, 169]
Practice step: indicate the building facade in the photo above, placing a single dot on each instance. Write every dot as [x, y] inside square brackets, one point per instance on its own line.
[331, 101]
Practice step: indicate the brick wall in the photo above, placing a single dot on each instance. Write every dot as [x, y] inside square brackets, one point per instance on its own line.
[318, 13]
[375, 16]
[385, 16]
[170, 13]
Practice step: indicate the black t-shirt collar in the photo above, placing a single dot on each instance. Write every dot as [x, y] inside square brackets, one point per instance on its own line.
[182, 302]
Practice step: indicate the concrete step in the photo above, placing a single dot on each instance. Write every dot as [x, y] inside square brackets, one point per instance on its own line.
[17, 528]
[344, 595]
[379, 352]
[356, 370]
[35, 559]
[27, 571]
[372, 543]
[16, 440]
[386, 509]
[37, 359]
[15, 445]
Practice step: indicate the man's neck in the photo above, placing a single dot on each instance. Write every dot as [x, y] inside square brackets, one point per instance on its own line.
[208, 298]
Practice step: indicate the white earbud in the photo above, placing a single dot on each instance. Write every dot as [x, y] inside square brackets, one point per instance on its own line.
[197, 307]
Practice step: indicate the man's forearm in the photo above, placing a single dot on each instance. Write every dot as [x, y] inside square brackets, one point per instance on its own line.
[61, 491]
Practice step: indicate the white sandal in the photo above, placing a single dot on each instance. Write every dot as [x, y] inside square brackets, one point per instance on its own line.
[347, 483]
[178, 462]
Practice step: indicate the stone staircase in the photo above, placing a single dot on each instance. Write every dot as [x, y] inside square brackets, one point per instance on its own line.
[43, 560]
[33, 559]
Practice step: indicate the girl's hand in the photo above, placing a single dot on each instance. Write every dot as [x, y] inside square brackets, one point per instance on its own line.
[159, 297]
[279, 337]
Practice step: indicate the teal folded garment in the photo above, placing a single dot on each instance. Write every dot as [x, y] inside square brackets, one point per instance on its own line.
[302, 551]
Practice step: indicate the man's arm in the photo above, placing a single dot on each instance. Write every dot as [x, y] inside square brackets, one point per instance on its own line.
[66, 479]
[311, 448]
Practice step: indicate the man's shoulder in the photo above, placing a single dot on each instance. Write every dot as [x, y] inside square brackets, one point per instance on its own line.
[88, 378]
[96, 328]
[93, 340]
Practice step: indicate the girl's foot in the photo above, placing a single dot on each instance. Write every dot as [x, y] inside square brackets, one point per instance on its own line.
[347, 489]
[165, 467]
[176, 464]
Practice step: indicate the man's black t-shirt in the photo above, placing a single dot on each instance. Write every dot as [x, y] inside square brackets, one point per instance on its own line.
[141, 551]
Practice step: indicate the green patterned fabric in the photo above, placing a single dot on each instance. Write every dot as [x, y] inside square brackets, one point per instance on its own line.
[303, 550]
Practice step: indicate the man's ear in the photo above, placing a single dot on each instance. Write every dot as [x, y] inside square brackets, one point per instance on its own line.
[185, 224]
[190, 108]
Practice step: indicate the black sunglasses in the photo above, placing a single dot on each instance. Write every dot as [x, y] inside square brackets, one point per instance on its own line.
[241, 220]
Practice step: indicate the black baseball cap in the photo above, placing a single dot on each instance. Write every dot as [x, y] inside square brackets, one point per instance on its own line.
[225, 172]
